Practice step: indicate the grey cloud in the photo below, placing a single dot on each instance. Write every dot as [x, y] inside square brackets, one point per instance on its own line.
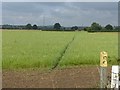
[67, 13]
[21, 7]
[95, 5]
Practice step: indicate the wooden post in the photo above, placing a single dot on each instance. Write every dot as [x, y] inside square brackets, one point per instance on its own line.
[103, 69]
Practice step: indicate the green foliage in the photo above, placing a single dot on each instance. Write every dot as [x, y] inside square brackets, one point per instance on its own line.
[57, 26]
[28, 26]
[89, 29]
[74, 28]
[95, 26]
[35, 26]
[109, 27]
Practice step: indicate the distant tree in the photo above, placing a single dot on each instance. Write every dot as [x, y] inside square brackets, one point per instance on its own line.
[95, 26]
[64, 28]
[109, 27]
[28, 26]
[57, 26]
[117, 28]
[35, 26]
[74, 28]
[87, 29]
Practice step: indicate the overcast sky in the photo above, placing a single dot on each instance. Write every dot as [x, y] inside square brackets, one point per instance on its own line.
[66, 13]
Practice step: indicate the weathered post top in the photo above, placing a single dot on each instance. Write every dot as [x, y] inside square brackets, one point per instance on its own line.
[103, 59]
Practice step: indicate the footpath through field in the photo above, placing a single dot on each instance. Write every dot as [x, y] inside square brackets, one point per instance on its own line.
[63, 53]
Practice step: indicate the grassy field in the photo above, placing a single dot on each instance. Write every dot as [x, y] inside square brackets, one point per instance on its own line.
[86, 48]
[40, 49]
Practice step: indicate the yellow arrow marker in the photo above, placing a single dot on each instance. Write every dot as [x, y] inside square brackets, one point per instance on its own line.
[103, 59]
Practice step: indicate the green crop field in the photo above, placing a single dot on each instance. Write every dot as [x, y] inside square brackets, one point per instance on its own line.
[44, 49]
[86, 48]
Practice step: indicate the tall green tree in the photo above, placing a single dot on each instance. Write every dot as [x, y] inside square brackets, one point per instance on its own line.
[28, 26]
[57, 26]
[35, 26]
[95, 26]
[109, 27]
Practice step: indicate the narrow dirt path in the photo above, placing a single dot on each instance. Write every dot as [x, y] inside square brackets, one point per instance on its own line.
[63, 53]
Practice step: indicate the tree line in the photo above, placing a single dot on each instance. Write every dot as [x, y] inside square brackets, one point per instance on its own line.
[95, 27]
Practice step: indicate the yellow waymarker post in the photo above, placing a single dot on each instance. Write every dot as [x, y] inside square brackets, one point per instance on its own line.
[103, 69]
[103, 59]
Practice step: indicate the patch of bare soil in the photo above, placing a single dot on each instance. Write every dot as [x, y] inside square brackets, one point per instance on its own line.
[78, 77]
